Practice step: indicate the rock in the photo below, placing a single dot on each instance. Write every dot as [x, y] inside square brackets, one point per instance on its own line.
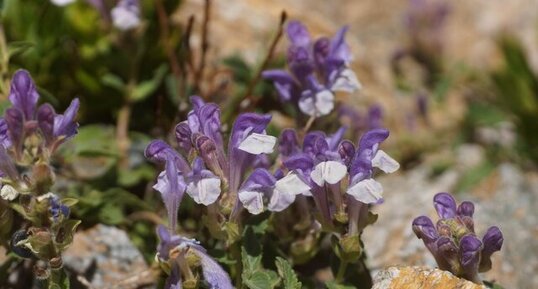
[507, 198]
[106, 258]
[419, 277]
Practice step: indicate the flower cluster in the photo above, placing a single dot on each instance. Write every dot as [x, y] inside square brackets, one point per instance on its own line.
[317, 69]
[335, 173]
[335, 170]
[453, 242]
[29, 135]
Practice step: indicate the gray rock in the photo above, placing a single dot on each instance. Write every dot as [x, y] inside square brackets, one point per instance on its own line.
[106, 258]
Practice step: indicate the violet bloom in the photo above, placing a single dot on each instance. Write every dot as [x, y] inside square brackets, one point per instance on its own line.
[368, 156]
[24, 118]
[126, 15]
[453, 242]
[174, 251]
[317, 69]
[213, 167]
[327, 163]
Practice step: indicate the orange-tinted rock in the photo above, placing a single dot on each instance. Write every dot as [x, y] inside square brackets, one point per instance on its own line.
[420, 278]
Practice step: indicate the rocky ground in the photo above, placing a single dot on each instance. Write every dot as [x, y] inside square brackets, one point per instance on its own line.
[506, 198]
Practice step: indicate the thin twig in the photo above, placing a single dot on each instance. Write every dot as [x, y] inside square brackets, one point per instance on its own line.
[165, 35]
[309, 124]
[85, 282]
[205, 45]
[186, 57]
[249, 97]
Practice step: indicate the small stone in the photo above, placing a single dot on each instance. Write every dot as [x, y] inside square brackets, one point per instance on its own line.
[420, 277]
[106, 257]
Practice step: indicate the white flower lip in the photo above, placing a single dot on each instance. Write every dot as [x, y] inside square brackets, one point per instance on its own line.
[61, 2]
[346, 81]
[384, 162]
[252, 201]
[257, 144]
[285, 191]
[124, 19]
[320, 104]
[328, 172]
[205, 191]
[367, 191]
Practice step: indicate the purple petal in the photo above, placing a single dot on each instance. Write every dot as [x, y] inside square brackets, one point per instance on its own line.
[372, 138]
[172, 187]
[447, 255]
[205, 119]
[5, 141]
[246, 124]
[493, 241]
[300, 63]
[23, 94]
[14, 119]
[260, 178]
[339, 50]
[445, 205]
[160, 152]
[375, 117]
[313, 142]
[284, 83]
[183, 136]
[174, 279]
[207, 150]
[45, 120]
[361, 166]
[213, 272]
[321, 51]
[425, 229]
[288, 143]
[466, 209]
[65, 125]
[335, 138]
[346, 149]
[300, 161]
[470, 247]
[298, 33]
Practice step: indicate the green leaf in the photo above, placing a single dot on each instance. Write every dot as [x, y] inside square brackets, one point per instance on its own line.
[262, 280]
[146, 88]
[65, 233]
[250, 263]
[113, 81]
[18, 47]
[334, 285]
[289, 278]
[59, 280]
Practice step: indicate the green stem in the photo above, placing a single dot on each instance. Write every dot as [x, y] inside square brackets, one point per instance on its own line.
[341, 271]
[236, 253]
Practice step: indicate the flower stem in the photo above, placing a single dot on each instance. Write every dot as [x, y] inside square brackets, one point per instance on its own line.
[341, 271]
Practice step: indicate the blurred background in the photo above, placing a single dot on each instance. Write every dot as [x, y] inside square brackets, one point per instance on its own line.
[456, 82]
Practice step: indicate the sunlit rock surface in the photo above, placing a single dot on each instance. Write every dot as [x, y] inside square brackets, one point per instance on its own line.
[420, 278]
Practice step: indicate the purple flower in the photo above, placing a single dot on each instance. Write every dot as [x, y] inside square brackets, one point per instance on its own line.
[126, 15]
[213, 273]
[367, 157]
[324, 162]
[212, 168]
[24, 118]
[453, 241]
[317, 69]
[280, 191]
